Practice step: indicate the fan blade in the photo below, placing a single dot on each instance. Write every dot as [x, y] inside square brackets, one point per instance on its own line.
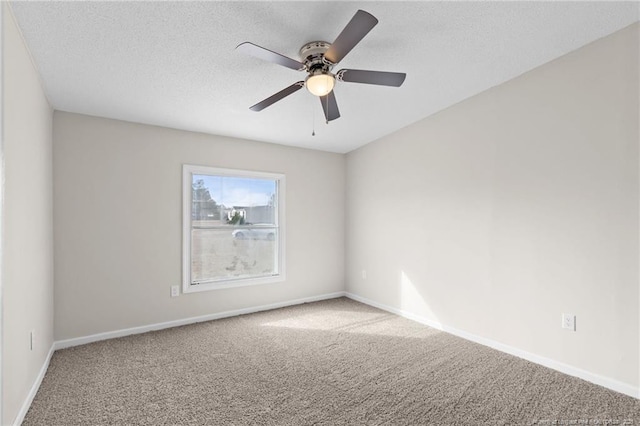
[359, 26]
[381, 78]
[330, 106]
[275, 98]
[269, 56]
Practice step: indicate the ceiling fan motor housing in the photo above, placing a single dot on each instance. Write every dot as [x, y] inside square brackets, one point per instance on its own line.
[312, 55]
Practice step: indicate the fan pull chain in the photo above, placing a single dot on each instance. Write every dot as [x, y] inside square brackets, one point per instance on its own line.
[313, 128]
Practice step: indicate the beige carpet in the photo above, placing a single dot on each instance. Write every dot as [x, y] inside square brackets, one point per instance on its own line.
[333, 363]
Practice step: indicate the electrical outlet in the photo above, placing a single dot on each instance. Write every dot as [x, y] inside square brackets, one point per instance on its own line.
[364, 274]
[175, 291]
[32, 342]
[569, 321]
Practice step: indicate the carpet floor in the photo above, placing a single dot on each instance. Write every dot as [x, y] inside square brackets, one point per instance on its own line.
[335, 362]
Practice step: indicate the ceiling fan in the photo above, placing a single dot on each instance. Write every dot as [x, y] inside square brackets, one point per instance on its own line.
[317, 58]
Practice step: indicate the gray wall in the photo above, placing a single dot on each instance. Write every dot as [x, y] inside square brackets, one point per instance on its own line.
[27, 253]
[118, 225]
[504, 211]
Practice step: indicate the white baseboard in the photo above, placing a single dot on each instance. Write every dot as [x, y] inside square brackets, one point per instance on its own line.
[606, 382]
[62, 344]
[34, 389]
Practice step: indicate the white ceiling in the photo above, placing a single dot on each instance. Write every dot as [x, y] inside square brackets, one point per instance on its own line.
[173, 64]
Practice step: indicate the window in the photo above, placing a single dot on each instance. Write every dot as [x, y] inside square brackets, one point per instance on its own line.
[232, 228]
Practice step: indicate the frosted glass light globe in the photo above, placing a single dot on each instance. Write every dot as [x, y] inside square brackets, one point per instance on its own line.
[320, 84]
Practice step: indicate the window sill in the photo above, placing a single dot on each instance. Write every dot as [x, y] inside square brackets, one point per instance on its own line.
[218, 285]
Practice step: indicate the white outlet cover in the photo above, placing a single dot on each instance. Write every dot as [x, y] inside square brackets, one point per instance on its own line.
[569, 321]
[175, 291]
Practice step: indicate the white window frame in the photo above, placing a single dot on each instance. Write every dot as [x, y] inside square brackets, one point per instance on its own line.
[187, 176]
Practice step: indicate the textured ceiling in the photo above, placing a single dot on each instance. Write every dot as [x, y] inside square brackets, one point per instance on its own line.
[173, 64]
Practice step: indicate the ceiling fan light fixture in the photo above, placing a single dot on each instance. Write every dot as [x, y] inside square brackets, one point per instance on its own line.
[320, 84]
